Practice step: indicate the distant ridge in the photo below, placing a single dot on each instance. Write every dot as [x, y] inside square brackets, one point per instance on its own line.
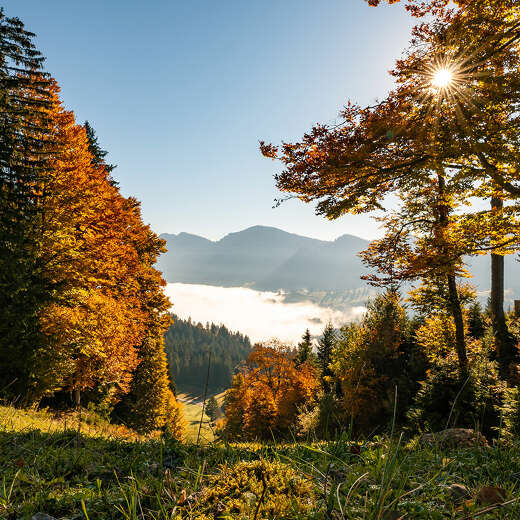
[265, 258]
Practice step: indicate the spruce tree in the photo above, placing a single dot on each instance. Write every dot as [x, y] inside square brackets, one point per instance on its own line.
[476, 321]
[150, 405]
[25, 146]
[212, 409]
[98, 154]
[325, 347]
[305, 353]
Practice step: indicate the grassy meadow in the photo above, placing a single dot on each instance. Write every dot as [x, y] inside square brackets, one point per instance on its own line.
[106, 472]
[192, 408]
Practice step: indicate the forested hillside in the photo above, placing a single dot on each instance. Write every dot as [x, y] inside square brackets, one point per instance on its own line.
[188, 345]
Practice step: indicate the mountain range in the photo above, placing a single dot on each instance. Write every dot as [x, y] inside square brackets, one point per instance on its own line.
[269, 259]
[264, 258]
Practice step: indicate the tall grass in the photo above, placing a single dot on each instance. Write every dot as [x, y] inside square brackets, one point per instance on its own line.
[113, 474]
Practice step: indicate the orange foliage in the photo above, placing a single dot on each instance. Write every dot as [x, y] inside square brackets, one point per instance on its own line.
[267, 394]
[98, 257]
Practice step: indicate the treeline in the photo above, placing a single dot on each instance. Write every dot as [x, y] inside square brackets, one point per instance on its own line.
[83, 308]
[390, 366]
[188, 345]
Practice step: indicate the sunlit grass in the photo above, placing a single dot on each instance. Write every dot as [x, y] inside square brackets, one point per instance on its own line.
[47, 468]
[192, 409]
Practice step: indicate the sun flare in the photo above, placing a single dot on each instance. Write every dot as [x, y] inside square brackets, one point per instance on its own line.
[442, 78]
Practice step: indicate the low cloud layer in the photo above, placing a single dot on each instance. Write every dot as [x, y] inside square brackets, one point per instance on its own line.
[261, 315]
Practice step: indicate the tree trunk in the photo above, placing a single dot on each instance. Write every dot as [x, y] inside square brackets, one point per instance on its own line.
[456, 311]
[77, 397]
[504, 342]
[453, 293]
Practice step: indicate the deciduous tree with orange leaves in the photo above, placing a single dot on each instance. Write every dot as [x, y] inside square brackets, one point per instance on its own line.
[437, 144]
[267, 393]
[109, 313]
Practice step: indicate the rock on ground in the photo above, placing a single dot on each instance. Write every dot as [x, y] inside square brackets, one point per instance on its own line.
[455, 438]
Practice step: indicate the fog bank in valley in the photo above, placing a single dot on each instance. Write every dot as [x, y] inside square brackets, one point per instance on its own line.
[259, 314]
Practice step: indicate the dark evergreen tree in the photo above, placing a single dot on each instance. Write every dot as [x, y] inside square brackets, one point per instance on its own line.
[212, 409]
[325, 347]
[476, 321]
[305, 352]
[25, 145]
[150, 405]
[98, 154]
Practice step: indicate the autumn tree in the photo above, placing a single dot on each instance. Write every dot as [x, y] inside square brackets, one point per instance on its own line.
[84, 306]
[479, 46]
[93, 325]
[266, 395]
[111, 313]
[234, 401]
[457, 134]
[424, 240]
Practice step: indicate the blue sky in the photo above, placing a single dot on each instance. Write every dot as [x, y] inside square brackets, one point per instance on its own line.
[180, 93]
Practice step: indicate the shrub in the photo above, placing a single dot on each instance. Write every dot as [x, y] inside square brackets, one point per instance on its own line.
[323, 419]
[443, 400]
[236, 491]
[509, 429]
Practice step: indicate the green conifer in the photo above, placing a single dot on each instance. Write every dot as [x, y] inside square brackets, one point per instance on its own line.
[150, 405]
[212, 409]
[305, 353]
[325, 347]
[25, 146]
[476, 321]
[98, 154]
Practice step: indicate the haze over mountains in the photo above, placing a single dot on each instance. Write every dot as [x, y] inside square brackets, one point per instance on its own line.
[269, 259]
[264, 258]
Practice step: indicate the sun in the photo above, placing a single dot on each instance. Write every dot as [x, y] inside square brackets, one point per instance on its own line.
[442, 78]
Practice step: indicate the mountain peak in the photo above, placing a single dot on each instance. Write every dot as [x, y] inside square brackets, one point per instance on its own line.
[264, 257]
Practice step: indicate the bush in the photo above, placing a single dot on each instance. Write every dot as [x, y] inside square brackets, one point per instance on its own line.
[443, 400]
[236, 491]
[324, 419]
[509, 428]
